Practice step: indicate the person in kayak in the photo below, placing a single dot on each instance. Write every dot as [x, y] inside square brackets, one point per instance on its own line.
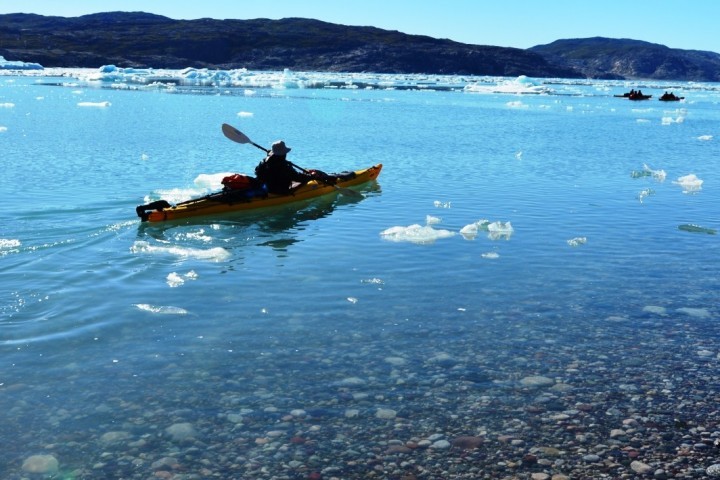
[277, 173]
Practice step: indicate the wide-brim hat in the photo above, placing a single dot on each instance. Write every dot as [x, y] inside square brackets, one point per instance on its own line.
[279, 148]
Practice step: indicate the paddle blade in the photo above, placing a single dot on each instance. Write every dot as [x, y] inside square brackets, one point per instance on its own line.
[234, 134]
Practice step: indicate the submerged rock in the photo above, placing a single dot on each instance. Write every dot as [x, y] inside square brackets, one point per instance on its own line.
[46, 464]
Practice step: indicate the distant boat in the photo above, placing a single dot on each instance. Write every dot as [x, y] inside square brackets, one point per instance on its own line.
[639, 96]
[634, 95]
[670, 97]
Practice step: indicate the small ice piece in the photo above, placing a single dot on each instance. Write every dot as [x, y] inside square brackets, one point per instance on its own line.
[705, 138]
[490, 255]
[577, 241]
[415, 234]
[174, 280]
[692, 228]
[162, 310]
[689, 183]
[430, 220]
[645, 193]
[500, 230]
[245, 114]
[469, 232]
[695, 312]
[655, 309]
[439, 204]
[94, 104]
[658, 175]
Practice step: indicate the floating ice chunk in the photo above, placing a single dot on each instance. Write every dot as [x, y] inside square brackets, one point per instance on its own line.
[519, 155]
[439, 204]
[655, 309]
[520, 85]
[144, 156]
[430, 220]
[352, 300]
[18, 65]
[689, 183]
[645, 193]
[7, 105]
[577, 241]
[175, 279]
[3, 129]
[415, 234]
[642, 120]
[9, 245]
[692, 228]
[705, 138]
[94, 104]
[695, 312]
[658, 175]
[469, 232]
[670, 120]
[490, 255]
[500, 230]
[163, 310]
[217, 254]
[245, 114]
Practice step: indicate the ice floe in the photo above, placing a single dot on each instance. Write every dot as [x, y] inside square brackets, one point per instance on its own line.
[692, 228]
[216, 254]
[94, 104]
[658, 175]
[175, 279]
[162, 310]
[695, 312]
[428, 234]
[18, 65]
[577, 241]
[415, 234]
[689, 183]
[662, 311]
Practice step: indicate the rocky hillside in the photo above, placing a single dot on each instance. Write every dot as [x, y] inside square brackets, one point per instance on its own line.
[145, 40]
[136, 39]
[609, 58]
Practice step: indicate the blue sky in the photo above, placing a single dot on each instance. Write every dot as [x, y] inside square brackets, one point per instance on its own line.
[507, 23]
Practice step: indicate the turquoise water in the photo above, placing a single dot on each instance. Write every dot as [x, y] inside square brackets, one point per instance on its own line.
[280, 340]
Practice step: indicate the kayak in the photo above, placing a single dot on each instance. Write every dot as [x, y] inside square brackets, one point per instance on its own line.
[250, 199]
[670, 99]
[639, 97]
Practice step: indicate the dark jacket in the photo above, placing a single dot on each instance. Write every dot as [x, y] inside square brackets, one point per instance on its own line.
[278, 174]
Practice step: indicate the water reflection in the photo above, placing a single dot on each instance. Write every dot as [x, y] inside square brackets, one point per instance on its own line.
[274, 227]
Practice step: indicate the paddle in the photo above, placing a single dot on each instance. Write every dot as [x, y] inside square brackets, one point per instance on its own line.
[237, 136]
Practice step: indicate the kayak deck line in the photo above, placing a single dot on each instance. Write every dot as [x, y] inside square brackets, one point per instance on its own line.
[228, 201]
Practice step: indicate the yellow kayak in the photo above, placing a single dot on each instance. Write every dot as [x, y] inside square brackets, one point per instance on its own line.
[228, 201]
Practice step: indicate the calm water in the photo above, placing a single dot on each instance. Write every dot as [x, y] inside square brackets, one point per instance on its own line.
[252, 330]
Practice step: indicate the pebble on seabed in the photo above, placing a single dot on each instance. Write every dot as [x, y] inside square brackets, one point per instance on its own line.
[714, 470]
[40, 464]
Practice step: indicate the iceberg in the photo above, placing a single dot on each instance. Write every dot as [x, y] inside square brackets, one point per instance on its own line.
[18, 65]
